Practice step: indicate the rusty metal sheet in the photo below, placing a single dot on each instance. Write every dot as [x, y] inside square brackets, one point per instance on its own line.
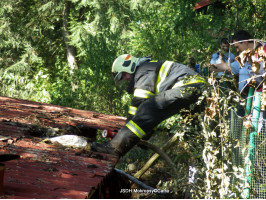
[48, 171]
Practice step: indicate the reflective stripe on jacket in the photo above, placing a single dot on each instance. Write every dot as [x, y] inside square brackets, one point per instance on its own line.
[154, 77]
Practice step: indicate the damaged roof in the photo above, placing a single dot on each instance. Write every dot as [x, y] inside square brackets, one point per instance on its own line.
[47, 171]
[17, 114]
[201, 4]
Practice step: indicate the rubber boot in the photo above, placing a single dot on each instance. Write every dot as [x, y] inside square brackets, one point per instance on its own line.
[119, 145]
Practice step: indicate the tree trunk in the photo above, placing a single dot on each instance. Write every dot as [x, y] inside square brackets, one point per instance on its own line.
[70, 50]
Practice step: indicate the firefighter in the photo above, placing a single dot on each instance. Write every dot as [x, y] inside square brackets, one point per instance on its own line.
[160, 89]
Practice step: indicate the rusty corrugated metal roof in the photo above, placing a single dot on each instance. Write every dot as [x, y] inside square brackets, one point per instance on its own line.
[201, 4]
[51, 171]
[20, 113]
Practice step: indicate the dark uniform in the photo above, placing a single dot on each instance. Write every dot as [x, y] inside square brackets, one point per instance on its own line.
[160, 89]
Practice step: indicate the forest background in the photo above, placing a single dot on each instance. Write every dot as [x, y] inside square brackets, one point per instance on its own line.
[61, 52]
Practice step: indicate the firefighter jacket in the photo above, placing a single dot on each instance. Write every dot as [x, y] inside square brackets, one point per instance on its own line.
[154, 77]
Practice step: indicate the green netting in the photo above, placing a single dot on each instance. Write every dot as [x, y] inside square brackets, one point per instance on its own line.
[259, 171]
[241, 137]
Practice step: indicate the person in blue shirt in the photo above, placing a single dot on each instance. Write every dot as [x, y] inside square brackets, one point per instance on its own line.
[242, 41]
[222, 56]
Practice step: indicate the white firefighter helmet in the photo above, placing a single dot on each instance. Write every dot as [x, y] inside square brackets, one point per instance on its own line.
[124, 63]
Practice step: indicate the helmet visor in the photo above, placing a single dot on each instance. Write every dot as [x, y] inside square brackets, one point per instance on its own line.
[117, 76]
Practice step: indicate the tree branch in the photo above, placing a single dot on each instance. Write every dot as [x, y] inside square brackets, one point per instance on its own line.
[156, 155]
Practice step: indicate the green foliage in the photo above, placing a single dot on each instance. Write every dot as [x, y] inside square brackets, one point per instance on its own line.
[32, 42]
[34, 66]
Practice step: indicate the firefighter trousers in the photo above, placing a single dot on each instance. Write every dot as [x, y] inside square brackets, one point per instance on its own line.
[165, 104]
